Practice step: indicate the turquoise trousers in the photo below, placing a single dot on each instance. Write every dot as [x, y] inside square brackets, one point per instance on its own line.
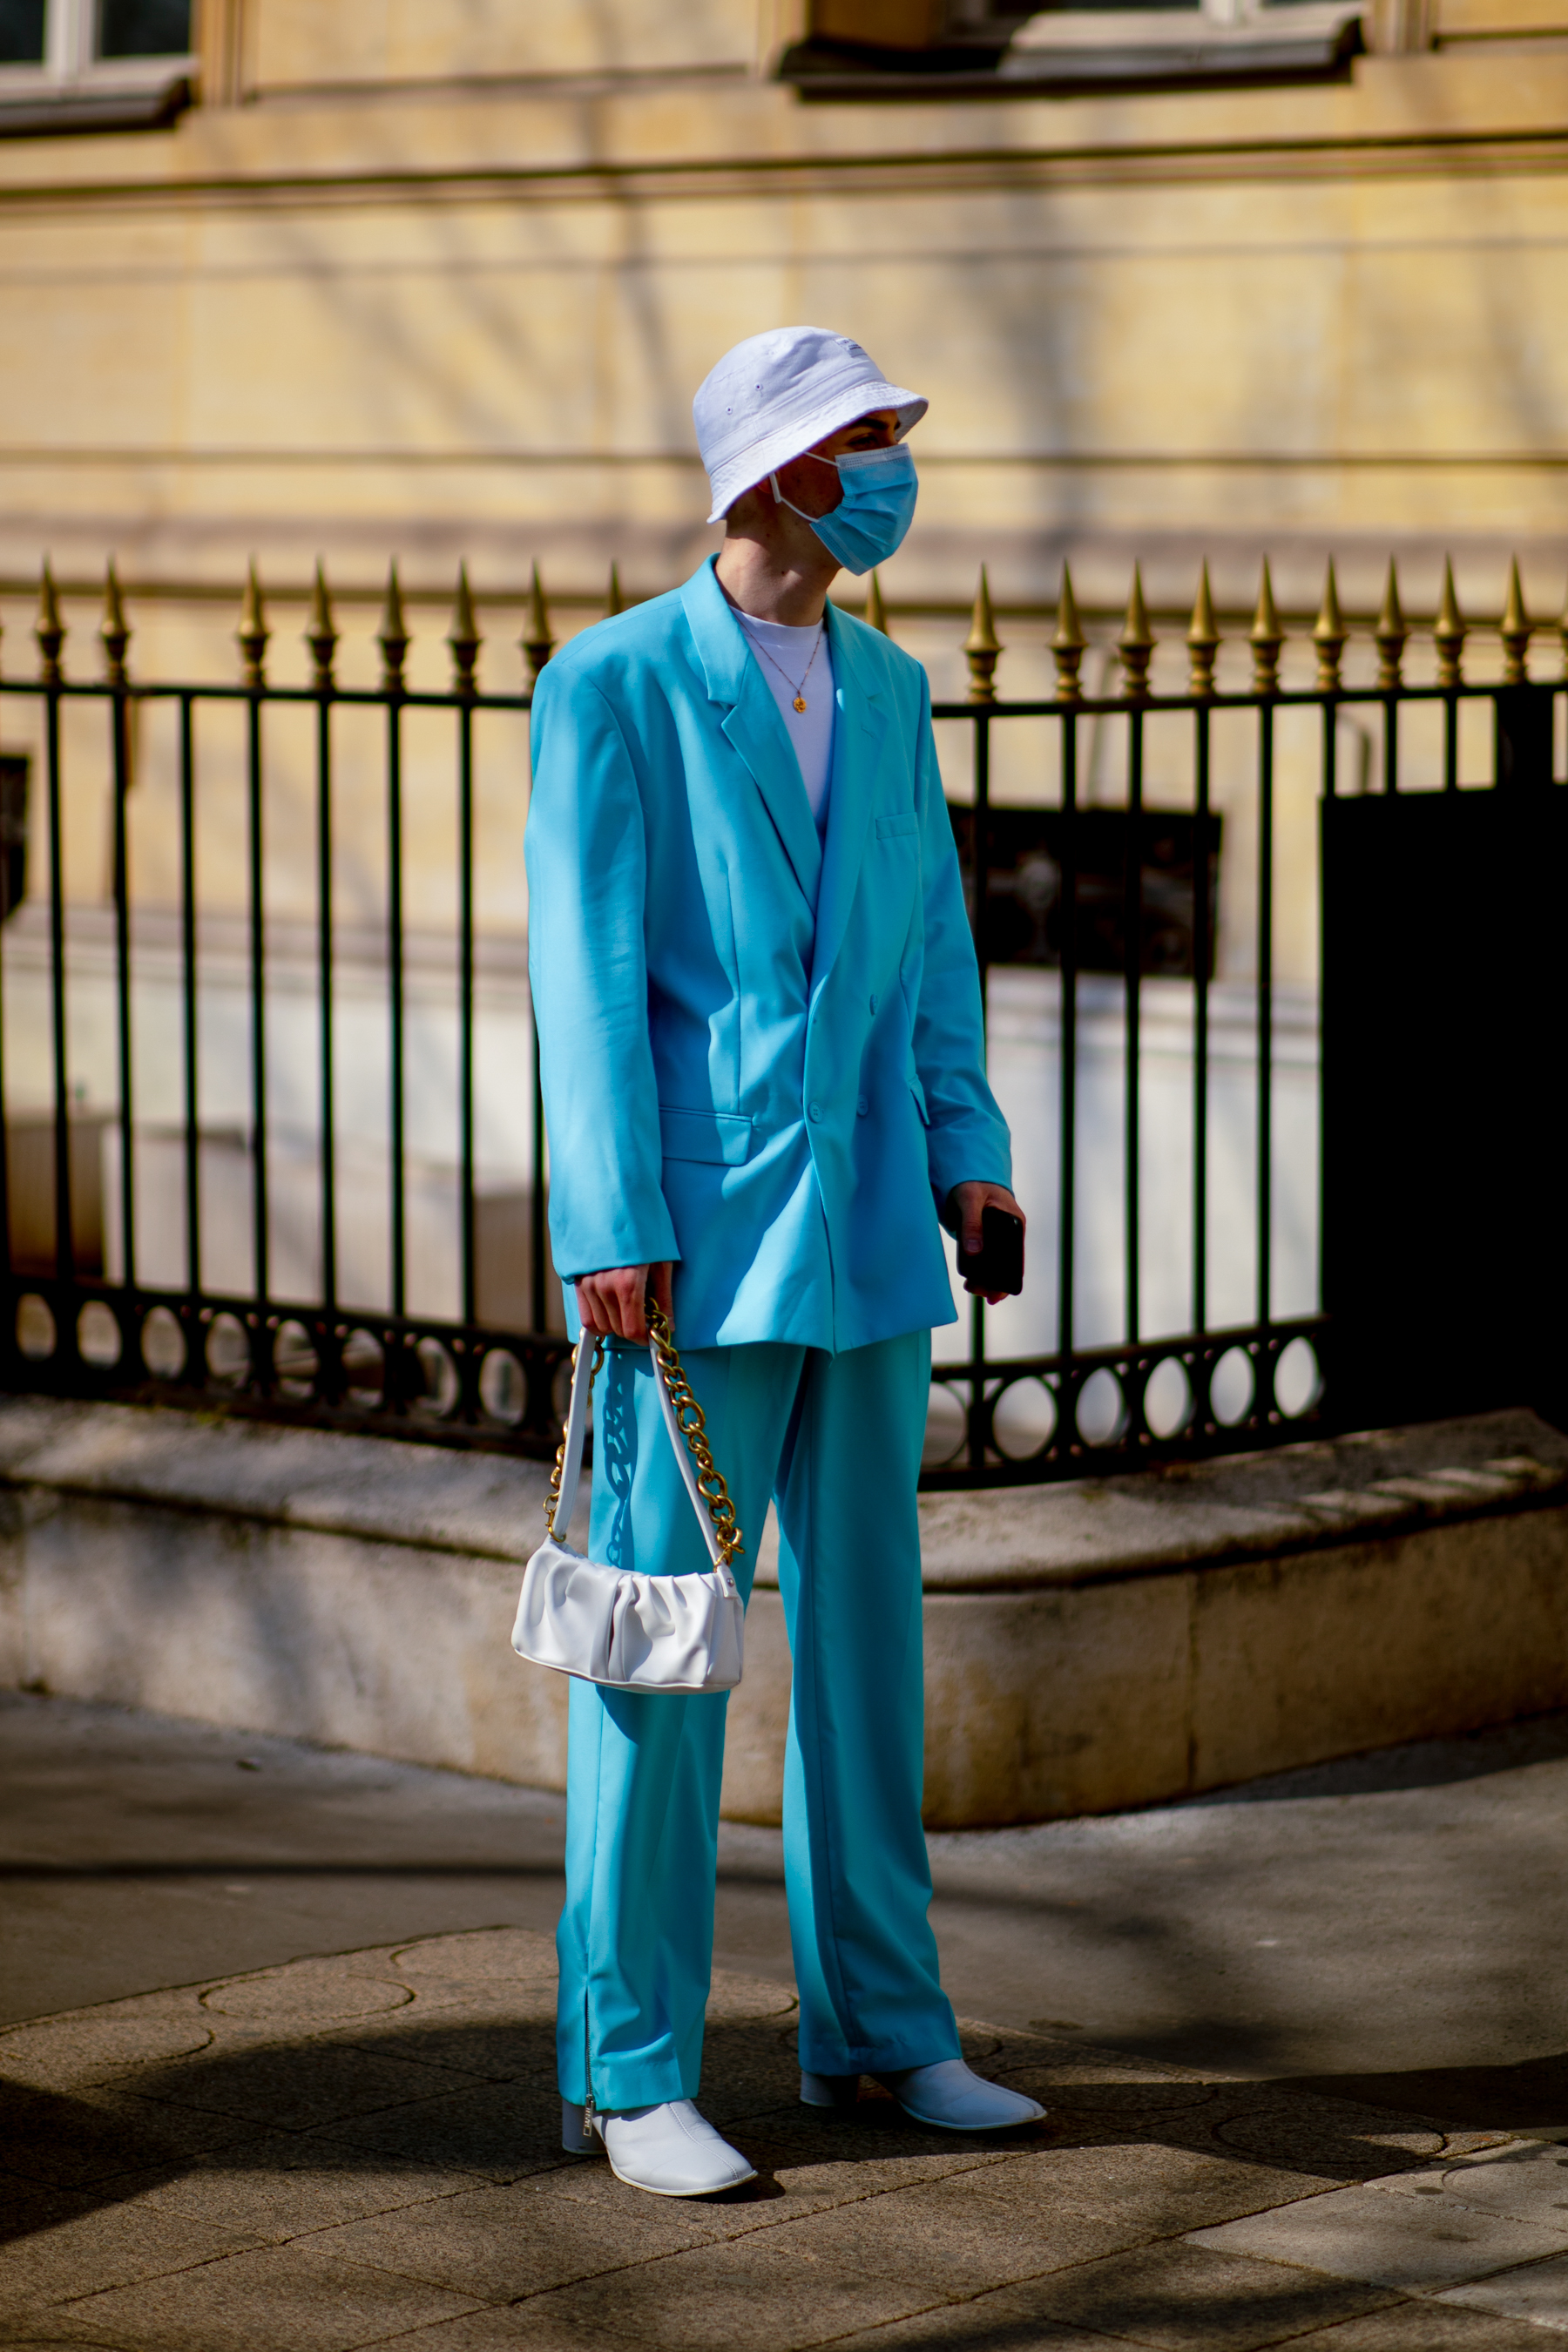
[836, 1441]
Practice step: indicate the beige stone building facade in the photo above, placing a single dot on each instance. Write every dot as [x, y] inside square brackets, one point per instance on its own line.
[440, 281]
[370, 279]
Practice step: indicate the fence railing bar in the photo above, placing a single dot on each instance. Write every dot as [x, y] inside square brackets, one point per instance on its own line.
[1264, 1020]
[120, 737]
[395, 996]
[1133, 967]
[65, 1248]
[1215, 1342]
[466, 1008]
[1068, 903]
[262, 1354]
[1202, 948]
[326, 1018]
[190, 1040]
[981, 857]
[1090, 707]
[152, 690]
[1331, 773]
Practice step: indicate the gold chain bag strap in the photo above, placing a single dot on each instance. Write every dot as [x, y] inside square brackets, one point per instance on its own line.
[693, 1427]
[623, 1628]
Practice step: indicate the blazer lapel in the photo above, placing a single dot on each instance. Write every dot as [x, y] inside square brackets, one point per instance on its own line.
[752, 725]
[857, 736]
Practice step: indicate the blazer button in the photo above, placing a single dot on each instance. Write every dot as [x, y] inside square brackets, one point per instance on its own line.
[814, 1113]
[862, 1107]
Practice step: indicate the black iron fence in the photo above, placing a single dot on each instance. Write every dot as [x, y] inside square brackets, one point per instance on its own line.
[1114, 901]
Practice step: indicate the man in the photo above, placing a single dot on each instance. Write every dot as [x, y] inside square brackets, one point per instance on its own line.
[762, 1055]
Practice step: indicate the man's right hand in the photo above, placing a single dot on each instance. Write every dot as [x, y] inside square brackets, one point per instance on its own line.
[612, 1303]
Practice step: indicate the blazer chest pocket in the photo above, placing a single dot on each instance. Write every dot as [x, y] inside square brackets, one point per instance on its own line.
[904, 824]
[722, 1137]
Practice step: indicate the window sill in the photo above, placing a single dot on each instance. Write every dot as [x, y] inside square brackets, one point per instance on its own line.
[55, 111]
[1072, 54]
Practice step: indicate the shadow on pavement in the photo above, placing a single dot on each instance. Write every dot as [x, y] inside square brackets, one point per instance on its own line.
[477, 2096]
[1531, 2096]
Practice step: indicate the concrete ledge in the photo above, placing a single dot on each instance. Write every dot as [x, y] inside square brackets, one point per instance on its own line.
[1113, 1643]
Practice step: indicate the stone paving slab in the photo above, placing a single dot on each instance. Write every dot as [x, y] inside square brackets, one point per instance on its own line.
[361, 2149]
[1363, 2233]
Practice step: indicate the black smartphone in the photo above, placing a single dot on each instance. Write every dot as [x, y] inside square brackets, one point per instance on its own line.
[998, 1262]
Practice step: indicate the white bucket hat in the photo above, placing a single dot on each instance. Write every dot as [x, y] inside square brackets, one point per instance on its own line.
[777, 394]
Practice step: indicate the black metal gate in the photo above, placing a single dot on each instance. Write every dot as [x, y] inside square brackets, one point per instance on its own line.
[1446, 1089]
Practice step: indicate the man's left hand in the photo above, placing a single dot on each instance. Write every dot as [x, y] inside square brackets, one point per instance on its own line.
[966, 1206]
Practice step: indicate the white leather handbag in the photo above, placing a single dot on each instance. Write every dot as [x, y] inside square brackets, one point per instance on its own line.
[619, 1627]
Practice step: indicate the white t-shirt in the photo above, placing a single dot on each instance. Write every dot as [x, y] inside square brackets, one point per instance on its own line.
[787, 672]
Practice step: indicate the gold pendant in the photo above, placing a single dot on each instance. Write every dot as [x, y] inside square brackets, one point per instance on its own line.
[800, 702]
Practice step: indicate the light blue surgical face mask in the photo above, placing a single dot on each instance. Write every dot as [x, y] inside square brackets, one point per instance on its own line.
[869, 521]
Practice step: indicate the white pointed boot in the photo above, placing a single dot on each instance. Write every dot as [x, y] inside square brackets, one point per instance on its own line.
[946, 2095]
[670, 2151]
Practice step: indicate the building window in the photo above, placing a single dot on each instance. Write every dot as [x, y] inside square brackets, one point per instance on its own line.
[926, 48]
[143, 28]
[22, 32]
[93, 64]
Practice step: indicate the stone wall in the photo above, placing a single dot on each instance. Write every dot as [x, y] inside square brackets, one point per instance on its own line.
[1088, 1648]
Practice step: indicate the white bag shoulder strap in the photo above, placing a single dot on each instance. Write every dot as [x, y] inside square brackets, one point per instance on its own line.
[558, 1510]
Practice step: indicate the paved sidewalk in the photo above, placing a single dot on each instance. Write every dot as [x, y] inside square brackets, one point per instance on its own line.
[362, 2150]
[1390, 1927]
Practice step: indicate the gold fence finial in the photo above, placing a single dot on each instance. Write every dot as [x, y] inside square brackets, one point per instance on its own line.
[252, 632]
[1203, 637]
[1514, 630]
[1136, 643]
[1562, 634]
[321, 632]
[1330, 634]
[1390, 632]
[876, 610]
[613, 600]
[1265, 638]
[49, 628]
[113, 630]
[983, 646]
[392, 635]
[1449, 630]
[463, 636]
[536, 640]
[1069, 643]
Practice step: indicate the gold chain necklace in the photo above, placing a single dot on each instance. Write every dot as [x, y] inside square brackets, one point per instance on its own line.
[800, 689]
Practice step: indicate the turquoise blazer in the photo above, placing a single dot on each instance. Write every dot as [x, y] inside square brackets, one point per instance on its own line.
[762, 1053]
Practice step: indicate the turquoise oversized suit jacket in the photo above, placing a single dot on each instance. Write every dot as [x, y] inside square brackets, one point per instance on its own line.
[761, 1054]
